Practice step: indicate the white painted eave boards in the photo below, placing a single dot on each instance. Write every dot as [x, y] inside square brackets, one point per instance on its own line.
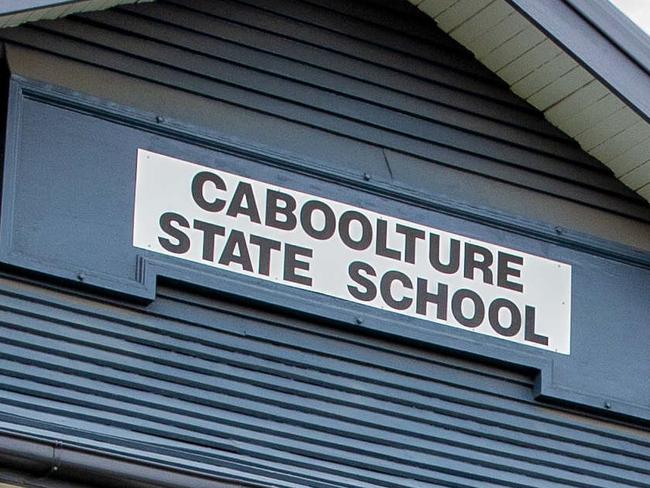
[16, 12]
[590, 80]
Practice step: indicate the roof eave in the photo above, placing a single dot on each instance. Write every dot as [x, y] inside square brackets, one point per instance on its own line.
[602, 40]
[580, 62]
[17, 12]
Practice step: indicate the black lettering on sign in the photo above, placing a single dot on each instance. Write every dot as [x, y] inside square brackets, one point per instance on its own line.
[505, 271]
[345, 230]
[280, 204]
[236, 251]
[410, 237]
[265, 247]
[494, 317]
[529, 329]
[168, 222]
[472, 252]
[307, 215]
[286, 236]
[369, 291]
[457, 308]
[292, 263]
[434, 255]
[382, 248]
[243, 203]
[424, 297]
[386, 289]
[209, 232]
[198, 191]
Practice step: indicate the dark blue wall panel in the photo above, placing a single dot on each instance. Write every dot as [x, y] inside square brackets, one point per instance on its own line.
[361, 82]
[255, 394]
[68, 211]
[230, 389]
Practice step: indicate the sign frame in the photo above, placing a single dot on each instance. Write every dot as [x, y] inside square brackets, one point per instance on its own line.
[569, 380]
[204, 215]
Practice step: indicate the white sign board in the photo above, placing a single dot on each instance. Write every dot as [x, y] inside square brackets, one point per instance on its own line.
[295, 239]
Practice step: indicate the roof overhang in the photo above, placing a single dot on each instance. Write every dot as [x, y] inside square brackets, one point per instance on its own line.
[580, 62]
[16, 12]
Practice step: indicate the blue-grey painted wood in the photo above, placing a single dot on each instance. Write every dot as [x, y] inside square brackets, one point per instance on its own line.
[192, 380]
[411, 113]
[224, 386]
[323, 67]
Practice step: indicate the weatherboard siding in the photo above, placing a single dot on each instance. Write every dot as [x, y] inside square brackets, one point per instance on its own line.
[381, 81]
[288, 402]
[228, 388]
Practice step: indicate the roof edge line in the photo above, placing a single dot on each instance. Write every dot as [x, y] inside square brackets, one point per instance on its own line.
[550, 29]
